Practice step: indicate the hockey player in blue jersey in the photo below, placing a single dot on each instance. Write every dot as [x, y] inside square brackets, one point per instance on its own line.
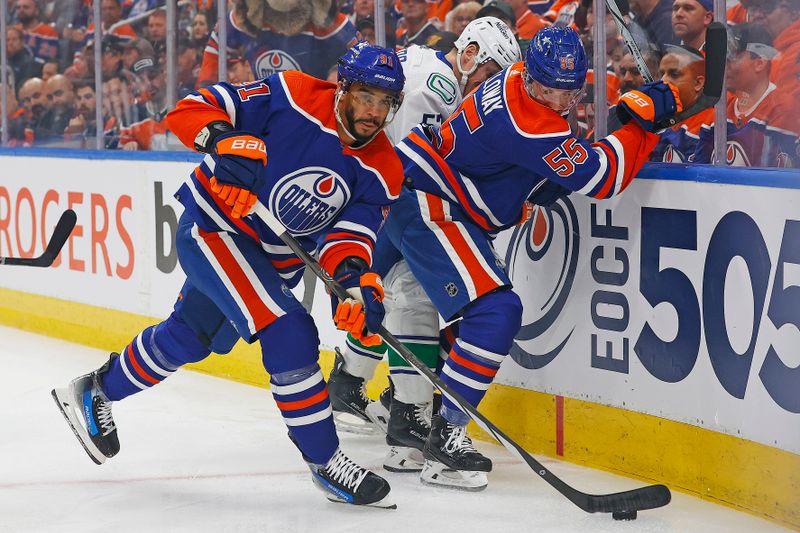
[469, 180]
[315, 154]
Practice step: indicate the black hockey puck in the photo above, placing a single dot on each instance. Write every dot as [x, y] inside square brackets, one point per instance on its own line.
[624, 515]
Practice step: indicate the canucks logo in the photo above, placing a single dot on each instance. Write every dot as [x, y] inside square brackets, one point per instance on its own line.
[272, 61]
[542, 258]
[308, 199]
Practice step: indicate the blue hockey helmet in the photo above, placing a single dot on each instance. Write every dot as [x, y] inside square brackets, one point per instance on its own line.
[556, 59]
[372, 65]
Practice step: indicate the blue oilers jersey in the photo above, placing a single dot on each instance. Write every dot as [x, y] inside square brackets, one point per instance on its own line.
[314, 50]
[329, 196]
[500, 145]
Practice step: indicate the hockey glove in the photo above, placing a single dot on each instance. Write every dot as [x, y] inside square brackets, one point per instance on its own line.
[649, 105]
[363, 312]
[238, 174]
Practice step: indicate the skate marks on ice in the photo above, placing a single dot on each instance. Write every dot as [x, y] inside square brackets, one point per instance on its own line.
[203, 454]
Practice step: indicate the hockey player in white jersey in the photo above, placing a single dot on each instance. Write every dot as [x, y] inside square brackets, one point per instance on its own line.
[436, 84]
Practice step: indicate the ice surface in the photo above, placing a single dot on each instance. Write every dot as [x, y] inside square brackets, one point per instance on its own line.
[204, 454]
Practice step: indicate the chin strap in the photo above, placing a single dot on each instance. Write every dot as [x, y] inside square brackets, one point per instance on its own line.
[464, 74]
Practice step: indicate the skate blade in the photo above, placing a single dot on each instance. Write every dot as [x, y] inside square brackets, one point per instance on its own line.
[64, 400]
[350, 423]
[385, 503]
[403, 459]
[436, 474]
[379, 415]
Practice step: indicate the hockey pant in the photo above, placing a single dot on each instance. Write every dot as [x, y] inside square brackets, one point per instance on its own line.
[233, 290]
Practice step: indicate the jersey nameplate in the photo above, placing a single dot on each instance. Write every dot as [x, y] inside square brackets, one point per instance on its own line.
[443, 87]
[492, 99]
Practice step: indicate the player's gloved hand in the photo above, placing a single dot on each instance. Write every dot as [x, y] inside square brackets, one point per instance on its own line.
[238, 173]
[363, 312]
[650, 104]
[548, 193]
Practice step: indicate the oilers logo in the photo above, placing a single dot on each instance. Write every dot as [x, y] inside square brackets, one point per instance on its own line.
[735, 155]
[308, 199]
[272, 61]
[542, 257]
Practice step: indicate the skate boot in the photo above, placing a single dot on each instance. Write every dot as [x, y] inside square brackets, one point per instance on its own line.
[409, 426]
[349, 400]
[378, 411]
[451, 460]
[344, 481]
[88, 412]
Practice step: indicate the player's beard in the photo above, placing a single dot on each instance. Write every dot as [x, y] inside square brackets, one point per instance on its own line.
[352, 123]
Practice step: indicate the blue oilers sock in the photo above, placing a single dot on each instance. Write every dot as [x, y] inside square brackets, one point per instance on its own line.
[469, 370]
[151, 357]
[302, 397]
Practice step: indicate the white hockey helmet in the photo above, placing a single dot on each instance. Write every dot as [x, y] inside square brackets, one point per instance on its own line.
[495, 40]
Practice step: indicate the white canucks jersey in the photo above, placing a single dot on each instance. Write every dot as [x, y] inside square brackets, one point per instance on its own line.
[431, 91]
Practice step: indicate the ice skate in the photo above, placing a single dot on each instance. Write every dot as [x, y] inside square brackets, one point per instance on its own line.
[88, 412]
[451, 460]
[344, 481]
[349, 400]
[408, 429]
[378, 412]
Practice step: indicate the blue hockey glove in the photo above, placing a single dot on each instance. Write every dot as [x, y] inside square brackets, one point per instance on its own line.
[238, 173]
[363, 312]
[650, 104]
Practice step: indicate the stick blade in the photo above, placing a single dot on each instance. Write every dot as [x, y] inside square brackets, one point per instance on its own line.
[650, 497]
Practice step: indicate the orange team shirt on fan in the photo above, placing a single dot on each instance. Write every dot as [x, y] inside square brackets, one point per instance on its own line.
[530, 23]
[747, 132]
[736, 15]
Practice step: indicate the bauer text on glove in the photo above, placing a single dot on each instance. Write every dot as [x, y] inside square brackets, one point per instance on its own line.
[238, 174]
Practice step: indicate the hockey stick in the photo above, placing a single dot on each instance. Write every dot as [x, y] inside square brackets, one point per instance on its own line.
[639, 499]
[716, 45]
[57, 239]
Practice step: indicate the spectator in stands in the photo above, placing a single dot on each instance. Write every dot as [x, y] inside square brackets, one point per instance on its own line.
[528, 23]
[684, 67]
[461, 15]
[655, 19]
[135, 50]
[501, 10]
[200, 29]
[782, 19]
[414, 27]
[118, 100]
[157, 30]
[151, 87]
[738, 13]
[690, 18]
[188, 63]
[41, 38]
[33, 100]
[49, 70]
[84, 113]
[361, 10]
[16, 119]
[112, 14]
[628, 72]
[238, 69]
[753, 107]
[111, 57]
[366, 30]
[60, 98]
[20, 58]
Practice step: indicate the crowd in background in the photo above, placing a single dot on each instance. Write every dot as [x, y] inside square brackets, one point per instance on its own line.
[51, 67]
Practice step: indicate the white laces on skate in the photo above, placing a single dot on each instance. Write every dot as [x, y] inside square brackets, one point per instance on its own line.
[343, 470]
[104, 417]
[423, 413]
[457, 440]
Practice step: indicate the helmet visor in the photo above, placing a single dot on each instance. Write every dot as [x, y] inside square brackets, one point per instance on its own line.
[559, 100]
